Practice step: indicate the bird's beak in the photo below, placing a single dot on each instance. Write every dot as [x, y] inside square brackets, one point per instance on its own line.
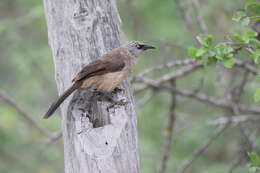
[145, 47]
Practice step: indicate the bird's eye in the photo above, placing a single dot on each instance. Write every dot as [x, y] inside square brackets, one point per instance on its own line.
[139, 46]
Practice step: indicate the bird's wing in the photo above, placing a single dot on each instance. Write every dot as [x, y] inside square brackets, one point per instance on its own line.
[100, 66]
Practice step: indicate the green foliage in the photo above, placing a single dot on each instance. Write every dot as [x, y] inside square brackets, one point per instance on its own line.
[222, 52]
[254, 165]
[250, 13]
[205, 40]
[256, 55]
[238, 16]
[257, 95]
[252, 7]
[247, 37]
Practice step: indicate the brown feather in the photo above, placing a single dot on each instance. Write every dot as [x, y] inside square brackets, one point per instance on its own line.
[57, 103]
[110, 62]
[104, 74]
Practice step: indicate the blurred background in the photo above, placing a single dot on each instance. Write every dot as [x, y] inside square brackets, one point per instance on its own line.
[27, 87]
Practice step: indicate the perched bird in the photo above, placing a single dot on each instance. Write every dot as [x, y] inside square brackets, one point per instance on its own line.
[105, 73]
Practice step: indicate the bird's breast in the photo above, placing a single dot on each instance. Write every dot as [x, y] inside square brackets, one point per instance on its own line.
[106, 82]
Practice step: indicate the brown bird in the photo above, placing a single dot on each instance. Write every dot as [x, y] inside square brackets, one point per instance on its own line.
[105, 73]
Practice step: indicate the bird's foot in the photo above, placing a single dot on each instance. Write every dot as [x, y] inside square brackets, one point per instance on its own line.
[110, 98]
[97, 92]
[98, 95]
[117, 90]
[114, 103]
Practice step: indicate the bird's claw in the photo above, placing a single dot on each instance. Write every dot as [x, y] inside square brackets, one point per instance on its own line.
[117, 90]
[121, 102]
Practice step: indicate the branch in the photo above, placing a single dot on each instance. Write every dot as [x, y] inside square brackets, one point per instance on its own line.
[215, 101]
[235, 164]
[200, 21]
[170, 64]
[194, 64]
[165, 78]
[236, 98]
[222, 103]
[167, 141]
[7, 99]
[147, 97]
[247, 67]
[51, 139]
[184, 71]
[234, 120]
[186, 17]
[187, 163]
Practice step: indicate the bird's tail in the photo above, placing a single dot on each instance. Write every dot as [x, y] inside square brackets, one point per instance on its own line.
[57, 103]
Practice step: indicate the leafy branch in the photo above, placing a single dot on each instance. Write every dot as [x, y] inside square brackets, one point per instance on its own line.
[224, 52]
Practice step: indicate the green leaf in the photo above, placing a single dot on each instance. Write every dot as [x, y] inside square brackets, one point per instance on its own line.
[238, 16]
[228, 62]
[255, 42]
[192, 52]
[251, 34]
[201, 51]
[245, 21]
[223, 49]
[253, 7]
[254, 18]
[250, 3]
[256, 55]
[211, 53]
[257, 97]
[243, 38]
[254, 158]
[220, 58]
[205, 40]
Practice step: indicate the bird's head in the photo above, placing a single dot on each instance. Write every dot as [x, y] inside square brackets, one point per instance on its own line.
[137, 47]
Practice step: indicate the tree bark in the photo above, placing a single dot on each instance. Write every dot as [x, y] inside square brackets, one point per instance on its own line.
[96, 139]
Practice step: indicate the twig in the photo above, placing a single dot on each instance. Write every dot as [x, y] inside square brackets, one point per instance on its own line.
[51, 139]
[215, 101]
[165, 78]
[236, 98]
[167, 141]
[186, 18]
[199, 96]
[247, 66]
[249, 145]
[140, 103]
[234, 120]
[185, 70]
[168, 65]
[235, 164]
[179, 73]
[190, 61]
[200, 21]
[187, 163]
[7, 99]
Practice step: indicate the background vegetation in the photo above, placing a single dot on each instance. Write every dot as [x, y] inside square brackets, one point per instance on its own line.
[27, 87]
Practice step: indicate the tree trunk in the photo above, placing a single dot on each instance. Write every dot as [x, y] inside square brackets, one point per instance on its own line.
[96, 139]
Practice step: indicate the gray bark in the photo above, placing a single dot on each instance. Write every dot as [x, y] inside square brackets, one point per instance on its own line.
[95, 139]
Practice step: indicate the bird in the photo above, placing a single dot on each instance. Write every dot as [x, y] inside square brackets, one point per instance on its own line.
[105, 73]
